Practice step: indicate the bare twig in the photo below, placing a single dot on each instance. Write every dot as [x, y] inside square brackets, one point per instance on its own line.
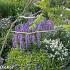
[33, 15]
[26, 17]
[32, 32]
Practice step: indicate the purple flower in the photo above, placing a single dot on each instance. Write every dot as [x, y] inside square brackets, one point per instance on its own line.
[33, 39]
[21, 39]
[24, 28]
[39, 27]
[27, 40]
[46, 25]
[49, 25]
[14, 41]
[30, 20]
[38, 39]
[15, 37]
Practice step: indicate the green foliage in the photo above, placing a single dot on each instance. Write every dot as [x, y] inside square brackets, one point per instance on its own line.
[64, 36]
[54, 3]
[37, 21]
[67, 13]
[43, 4]
[68, 4]
[53, 12]
[11, 7]
[31, 60]
[33, 9]
[3, 32]
[67, 27]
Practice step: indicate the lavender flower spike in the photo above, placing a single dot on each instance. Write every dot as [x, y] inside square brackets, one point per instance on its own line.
[27, 40]
[38, 35]
[15, 37]
[50, 25]
[38, 39]
[14, 41]
[21, 37]
[21, 41]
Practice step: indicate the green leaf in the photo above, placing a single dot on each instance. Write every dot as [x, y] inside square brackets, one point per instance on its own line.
[67, 27]
[43, 4]
[37, 21]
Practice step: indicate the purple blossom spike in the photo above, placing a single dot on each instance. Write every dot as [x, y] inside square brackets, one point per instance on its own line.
[39, 27]
[27, 40]
[14, 41]
[38, 39]
[15, 37]
[47, 25]
[30, 20]
[21, 37]
[50, 25]
[21, 41]
[38, 35]
[22, 27]
[26, 27]
[33, 39]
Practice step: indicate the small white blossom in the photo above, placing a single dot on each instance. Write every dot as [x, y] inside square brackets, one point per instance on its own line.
[57, 53]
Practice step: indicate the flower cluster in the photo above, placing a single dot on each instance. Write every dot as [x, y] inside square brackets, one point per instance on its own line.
[5, 22]
[24, 40]
[56, 49]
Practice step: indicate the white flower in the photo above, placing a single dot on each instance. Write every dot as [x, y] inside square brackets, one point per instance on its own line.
[46, 41]
[57, 47]
[51, 46]
[57, 53]
[52, 49]
[65, 53]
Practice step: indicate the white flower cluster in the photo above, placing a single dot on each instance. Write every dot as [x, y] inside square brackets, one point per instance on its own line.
[5, 22]
[55, 49]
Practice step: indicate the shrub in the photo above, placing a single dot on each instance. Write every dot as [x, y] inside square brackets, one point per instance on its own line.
[35, 59]
[11, 7]
[61, 39]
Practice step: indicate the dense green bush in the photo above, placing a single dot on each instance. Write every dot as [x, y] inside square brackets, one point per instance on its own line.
[15, 7]
[11, 7]
[35, 59]
[64, 41]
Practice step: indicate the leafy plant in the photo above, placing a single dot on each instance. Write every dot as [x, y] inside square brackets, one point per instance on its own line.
[34, 59]
[11, 7]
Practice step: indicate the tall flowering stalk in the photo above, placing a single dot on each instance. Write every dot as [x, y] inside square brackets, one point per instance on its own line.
[31, 37]
[38, 35]
[21, 37]
[15, 37]
[26, 40]
[38, 39]
[30, 20]
[25, 28]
